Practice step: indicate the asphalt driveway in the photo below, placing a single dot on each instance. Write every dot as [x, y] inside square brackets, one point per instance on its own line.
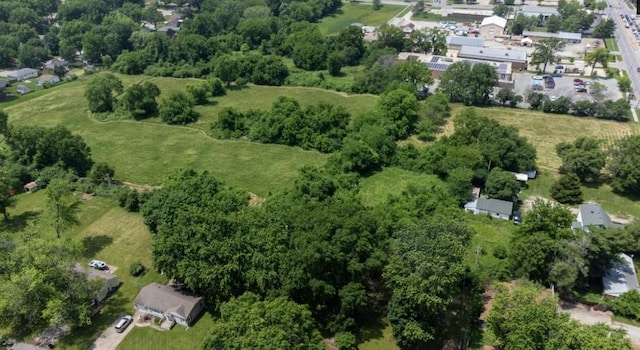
[110, 339]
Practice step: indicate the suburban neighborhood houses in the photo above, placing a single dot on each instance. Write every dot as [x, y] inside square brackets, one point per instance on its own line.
[319, 174]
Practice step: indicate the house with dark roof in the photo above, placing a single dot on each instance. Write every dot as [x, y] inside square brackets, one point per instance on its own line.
[621, 278]
[495, 207]
[517, 58]
[170, 303]
[593, 215]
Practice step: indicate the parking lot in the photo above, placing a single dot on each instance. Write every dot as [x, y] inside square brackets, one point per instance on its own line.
[564, 87]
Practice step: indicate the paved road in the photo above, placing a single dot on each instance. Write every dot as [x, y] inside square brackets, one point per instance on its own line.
[585, 315]
[627, 44]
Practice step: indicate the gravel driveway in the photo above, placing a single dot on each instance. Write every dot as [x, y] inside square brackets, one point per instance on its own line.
[585, 315]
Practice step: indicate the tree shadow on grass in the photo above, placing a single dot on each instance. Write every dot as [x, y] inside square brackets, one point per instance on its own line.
[372, 330]
[94, 244]
[18, 223]
[84, 337]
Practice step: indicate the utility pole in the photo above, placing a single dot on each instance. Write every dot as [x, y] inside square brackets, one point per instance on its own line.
[478, 251]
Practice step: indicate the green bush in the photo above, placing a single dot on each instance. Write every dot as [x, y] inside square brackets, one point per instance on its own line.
[627, 305]
[346, 341]
[136, 269]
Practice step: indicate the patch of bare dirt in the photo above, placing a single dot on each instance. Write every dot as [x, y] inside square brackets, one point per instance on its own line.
[140, 188]
[330, 344]
[527, 203]
[86, 196]
[255, 200]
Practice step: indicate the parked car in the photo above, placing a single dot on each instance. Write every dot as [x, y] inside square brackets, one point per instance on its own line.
[581, 88]
[638, 69]
[553, 98]
[98, 264]
[517, 218]
[122, 323]
[577, 81]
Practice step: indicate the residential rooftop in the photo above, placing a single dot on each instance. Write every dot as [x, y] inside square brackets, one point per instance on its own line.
[491, 54]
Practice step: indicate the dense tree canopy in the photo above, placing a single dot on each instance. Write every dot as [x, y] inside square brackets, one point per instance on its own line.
[584, 157]
[623, 166]
[249, 323]
[100, 92]
[469, 84]
[428, 278]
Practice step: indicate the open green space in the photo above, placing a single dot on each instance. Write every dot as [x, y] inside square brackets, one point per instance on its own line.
[107, 233]
[178, 338]
[375, 189]
[545, 131]
[358, 13]
[146, 152]
[384, 341]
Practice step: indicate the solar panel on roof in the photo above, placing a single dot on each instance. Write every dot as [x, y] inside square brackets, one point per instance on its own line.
[435, 59]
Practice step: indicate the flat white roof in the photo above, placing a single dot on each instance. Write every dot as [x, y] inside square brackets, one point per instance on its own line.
[559, 35]
[465, 41]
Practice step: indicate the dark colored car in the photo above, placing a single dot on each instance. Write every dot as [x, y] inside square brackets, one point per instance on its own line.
[517, 218]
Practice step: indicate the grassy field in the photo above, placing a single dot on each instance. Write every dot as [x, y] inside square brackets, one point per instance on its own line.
[545, 131]
[146, 152]
[383, 341]
[377, 188]
[107, 233]
[358, 13]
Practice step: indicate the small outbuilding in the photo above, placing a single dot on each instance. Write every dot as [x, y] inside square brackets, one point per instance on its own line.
[31, 187]
[108, 282]
[22, 89]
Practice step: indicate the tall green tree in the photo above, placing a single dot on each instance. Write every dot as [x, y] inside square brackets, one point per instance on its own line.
[605, 29]
[177, 108]
[502, 185]
[427, 275]
[583, 157]
[598, 56]
[62, 206]
[546, 52]
[41, 288]
[139, 100]
[567, 189]
[100, 92]
[622, 166]
[468, 84]
[247, 322]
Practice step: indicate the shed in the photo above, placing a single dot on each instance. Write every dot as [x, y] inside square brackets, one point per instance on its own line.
[23, 89]
[621, 278]
[31, 187]
[169, 302]
[495, 207]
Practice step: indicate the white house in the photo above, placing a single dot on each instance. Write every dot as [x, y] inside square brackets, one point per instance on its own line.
[22, 74]
[593, 215]
[169, 302]
[495, 207]
[492, 26]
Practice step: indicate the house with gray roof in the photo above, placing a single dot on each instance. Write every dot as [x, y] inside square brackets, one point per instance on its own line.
[538, 11]
[170, 303]
[22, 74]
[107, 282]
[517, 58]
[593, 215]
[456, 42]
[564, 36]
[621, 278]
[495, 207]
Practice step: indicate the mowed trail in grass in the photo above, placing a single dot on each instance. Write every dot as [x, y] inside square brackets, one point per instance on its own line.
[545, 130]
[358, 13]
[146, 152]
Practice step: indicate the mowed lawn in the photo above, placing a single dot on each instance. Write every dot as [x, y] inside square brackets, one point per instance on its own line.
[358, 13]
[376, 189]
[146, 152]
[178, 338]
[545, 131]
[108, 233]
